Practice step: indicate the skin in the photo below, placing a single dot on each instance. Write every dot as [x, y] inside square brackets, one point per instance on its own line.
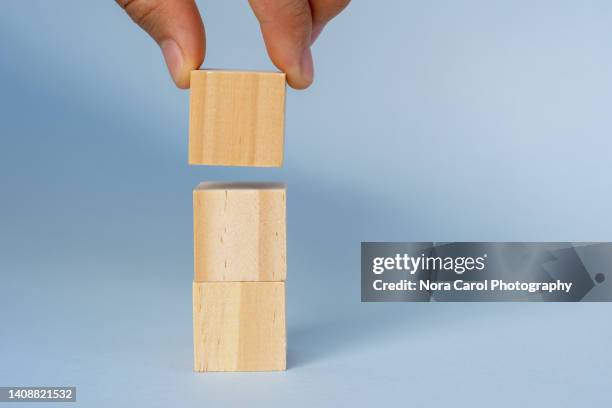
[289, 28]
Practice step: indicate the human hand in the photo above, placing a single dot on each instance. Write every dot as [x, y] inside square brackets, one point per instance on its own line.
[289, 28]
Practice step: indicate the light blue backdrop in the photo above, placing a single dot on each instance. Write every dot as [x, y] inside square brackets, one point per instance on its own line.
[428, 121]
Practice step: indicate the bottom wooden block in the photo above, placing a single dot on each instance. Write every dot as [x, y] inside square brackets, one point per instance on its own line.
[239, 326]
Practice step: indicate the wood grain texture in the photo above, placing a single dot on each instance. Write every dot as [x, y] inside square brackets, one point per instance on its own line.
[240, 232]
[239, 326]
[237, 118]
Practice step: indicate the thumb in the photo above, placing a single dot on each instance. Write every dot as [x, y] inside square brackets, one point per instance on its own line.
[286, 26]
[177, 27]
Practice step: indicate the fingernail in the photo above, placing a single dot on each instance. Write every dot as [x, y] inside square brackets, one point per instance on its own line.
[307, 66]
[174, 60]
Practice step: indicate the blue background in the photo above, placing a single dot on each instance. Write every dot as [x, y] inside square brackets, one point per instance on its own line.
[428, 121]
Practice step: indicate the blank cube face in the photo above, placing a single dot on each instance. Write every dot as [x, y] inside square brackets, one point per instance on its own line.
[237, 118]
[239, 326]
[240, 232]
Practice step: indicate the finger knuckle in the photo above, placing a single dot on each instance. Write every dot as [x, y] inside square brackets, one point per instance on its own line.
[296, 9]
[141, 11]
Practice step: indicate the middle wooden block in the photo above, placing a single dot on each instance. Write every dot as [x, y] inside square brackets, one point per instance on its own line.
[240, 232]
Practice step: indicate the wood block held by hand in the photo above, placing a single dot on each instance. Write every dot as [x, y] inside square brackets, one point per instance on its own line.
[239, 326]
[240, 232]
[237, 118]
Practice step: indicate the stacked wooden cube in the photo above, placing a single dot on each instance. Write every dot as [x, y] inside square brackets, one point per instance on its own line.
[240, 246]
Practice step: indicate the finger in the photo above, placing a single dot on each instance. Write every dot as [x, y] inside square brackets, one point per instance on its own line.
[286, 26]
[177, 27]
[322, 12]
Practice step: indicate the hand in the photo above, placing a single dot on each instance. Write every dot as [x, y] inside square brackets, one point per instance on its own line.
[289, 28]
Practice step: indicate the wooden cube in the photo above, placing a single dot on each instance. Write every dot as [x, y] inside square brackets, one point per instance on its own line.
[240, 232]
[237, 118]
[239, 326]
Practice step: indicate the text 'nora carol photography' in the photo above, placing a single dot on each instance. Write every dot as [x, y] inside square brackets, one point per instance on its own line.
[461, 285]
